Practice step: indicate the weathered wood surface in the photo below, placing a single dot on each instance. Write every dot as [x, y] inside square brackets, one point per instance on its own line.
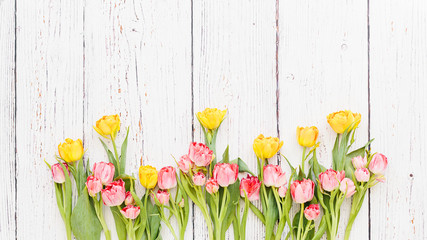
[273, 64]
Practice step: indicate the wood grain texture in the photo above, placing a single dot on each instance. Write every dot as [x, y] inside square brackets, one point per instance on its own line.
[234, 68]
[49, 106]
[323, 68]
[398, 117]
[7, 120]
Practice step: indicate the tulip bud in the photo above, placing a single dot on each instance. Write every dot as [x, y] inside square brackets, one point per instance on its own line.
[225, 173]
[148, 176]
[200, 154]
[250, 185]
[266, 147]
[108, 125]
[341, 120]
[378, 164]
[362, 174]
[330, 179]
[163, 196]
[104, 172]
[130, 212]
[167, 178]
[114, 193]
[212, 186]
[282, 191]
[199, 179]
[211, 118]
[71, 150]
[347, 187]
[307, 136]
[58, 172]
[274, 176]
[93, 185]
[312, 212]
[359, 162]
[302, 191]
[129, 199]
[185, 164]
[181, 203]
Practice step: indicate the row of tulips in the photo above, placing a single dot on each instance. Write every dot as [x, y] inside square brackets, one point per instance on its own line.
[214, 186]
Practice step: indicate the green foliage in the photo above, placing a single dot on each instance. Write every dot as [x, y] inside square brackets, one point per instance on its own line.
[84, 222]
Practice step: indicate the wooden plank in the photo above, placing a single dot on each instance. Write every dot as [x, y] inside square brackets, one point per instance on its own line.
[323, 68]
[7, 121]
[49, 106]
[398, 113]
[138, 64]
[234, 68]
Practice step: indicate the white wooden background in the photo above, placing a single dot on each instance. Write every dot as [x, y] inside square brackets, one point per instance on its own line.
[274, 65]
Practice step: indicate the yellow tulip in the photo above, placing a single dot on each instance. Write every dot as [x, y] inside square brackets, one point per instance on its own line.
[71, 150]
[211, 118]
[307, 136]
[266, 147]
[341, 120]
[148, 176]
[108, 125]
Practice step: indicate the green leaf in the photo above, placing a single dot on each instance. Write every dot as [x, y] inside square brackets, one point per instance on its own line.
[81, 176]
[111, 158]
[123, 153]
[120, 225]
[226, 156]
[84, 222]
[242, 166]
[153, 220]
[142, 216]
[272, 215]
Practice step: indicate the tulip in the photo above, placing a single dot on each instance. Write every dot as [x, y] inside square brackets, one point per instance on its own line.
[307, 136]
[199, 179]
[200, 154]
[312, 212]
[302, 191]
[167, 178]
[185, 164]
[163, 196]
[282, 191]
[225, 173]
[341, 120]
[181, 203]
[129, 199]
[104, 172]
[71, 150]
[330, 179]
[212, 186]
[130, 212]
[347, 187]
[266, 147]
[359, 162]
[250, 185]
[114, 193]
[378, 164]
[108, 125]
[58, 172]
[93, 185]
[274, 176]
[148, 176]
[211, 118]
[362, 174]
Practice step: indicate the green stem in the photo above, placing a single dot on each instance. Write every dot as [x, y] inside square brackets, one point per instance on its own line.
[68, 229]
[117, 155]
[300, 221]
[147, 223]
[203, 207]
[307, 228]
[166, 221]
[355, 208]
[100, 215]
[303, 159]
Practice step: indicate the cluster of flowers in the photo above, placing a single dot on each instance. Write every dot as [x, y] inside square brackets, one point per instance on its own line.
[215, 187]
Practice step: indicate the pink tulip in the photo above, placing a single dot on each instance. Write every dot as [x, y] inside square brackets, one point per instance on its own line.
[163, 196]
[250, 185]
[362, 174]
[129, 199]
[200, 154]
[359, 162]
[225, 173]
[130, 212]
[199, 179]
[114, 193]
[347, 186]
[274, 176]
[93, 185]
[58, 173]
[282, 191]
[378, 164]
[312, 212]
[330, 179]
[167, 178]
[104, 172]
[212, 186]
[302, 191]
[185, 164]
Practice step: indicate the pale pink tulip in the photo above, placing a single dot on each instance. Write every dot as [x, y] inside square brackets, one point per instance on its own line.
[93, 185]
[225, 173]
[347, 187]
[163, 196]
[312, 212]
[362, 174]
[130, 212]
[282, 191]
[104, 172]
[250, 185]
[274, 176]
[212, 186]
[330, 179]
[199, 179]
[114, 193]
[58, 173]
[359, 162]
[185, 164]
[167, 178]
[302, 191]
[378, 164]
[200, 154]
[129, 199]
